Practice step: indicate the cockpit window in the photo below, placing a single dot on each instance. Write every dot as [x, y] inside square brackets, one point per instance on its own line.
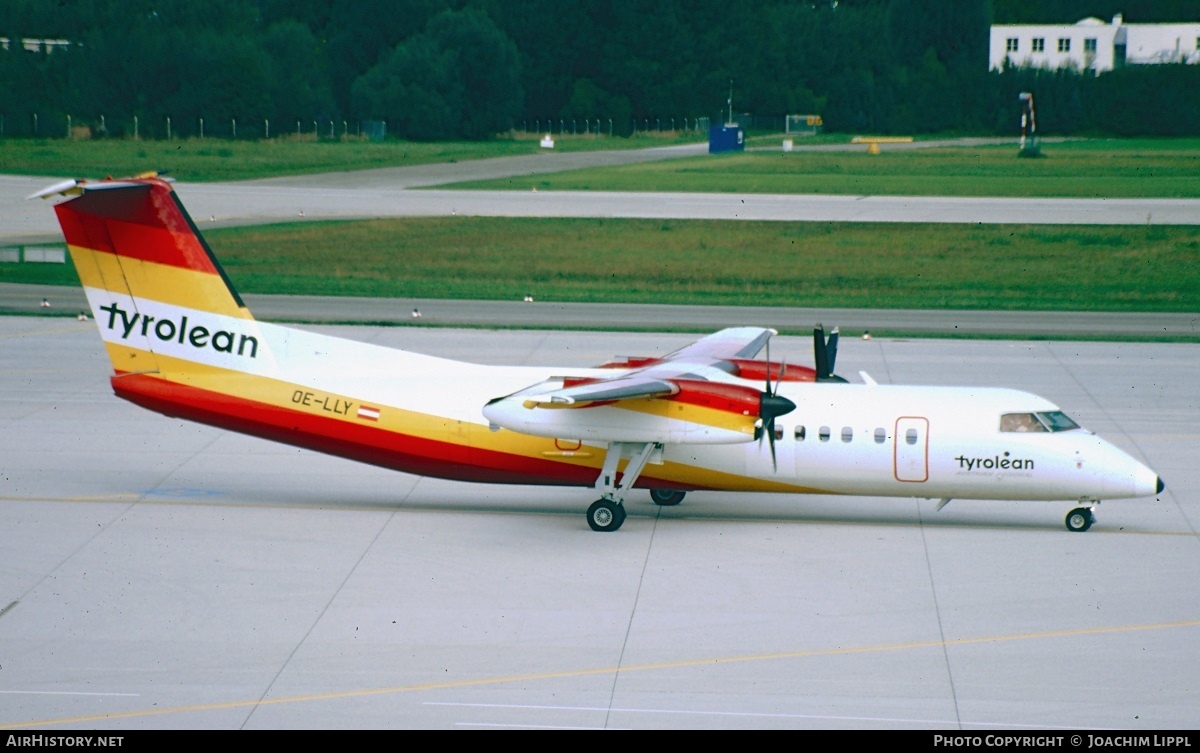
[1045, 421]
[1057, 421]
[1020, 422]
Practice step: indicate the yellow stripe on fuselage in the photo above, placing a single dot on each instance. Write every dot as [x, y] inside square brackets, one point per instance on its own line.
[293, 396]
[201, 291]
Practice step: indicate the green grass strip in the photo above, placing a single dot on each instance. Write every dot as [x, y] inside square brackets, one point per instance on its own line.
[842, 265]
[1078, 169]
[921, 266]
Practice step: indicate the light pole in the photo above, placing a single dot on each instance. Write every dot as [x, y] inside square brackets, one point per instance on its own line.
[1029, 139]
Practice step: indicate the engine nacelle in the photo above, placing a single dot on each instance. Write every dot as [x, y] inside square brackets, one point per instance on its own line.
[700, 412]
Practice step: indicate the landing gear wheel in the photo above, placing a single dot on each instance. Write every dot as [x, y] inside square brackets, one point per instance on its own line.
[667, 497]
[1080, 519]
[605, 516]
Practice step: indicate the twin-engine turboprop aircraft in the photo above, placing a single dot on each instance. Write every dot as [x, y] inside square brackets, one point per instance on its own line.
[710, 416]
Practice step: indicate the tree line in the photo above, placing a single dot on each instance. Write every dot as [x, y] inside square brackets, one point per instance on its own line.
[469, 69]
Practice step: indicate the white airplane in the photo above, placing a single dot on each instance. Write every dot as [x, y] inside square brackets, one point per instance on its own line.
[706, 417]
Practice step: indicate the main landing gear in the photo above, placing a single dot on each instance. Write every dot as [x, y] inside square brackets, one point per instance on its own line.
[604, 515]
[666, 497]
[608, 512]
[1080, 519]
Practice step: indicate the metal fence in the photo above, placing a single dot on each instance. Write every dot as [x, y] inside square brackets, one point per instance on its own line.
[64, 126]
[57, 126]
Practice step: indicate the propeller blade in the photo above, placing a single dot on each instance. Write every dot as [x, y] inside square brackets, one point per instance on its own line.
[820, 354]
[831, 351]
[770, 408]
[825, 354]
[771, 442]
[767, 387]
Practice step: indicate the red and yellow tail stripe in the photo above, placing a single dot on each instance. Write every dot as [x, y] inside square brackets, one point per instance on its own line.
[134, 238]
[153, 284]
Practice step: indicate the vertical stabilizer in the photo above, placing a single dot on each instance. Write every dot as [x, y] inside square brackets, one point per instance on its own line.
[157, 292]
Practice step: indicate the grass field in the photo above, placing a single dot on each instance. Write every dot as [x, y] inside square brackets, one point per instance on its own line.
[221, 159]
[1080, 169]
[932, 266]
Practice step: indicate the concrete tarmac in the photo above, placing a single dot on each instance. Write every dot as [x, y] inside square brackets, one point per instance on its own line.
[159, 574]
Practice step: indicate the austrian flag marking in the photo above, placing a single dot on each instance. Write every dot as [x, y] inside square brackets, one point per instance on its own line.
[368, 413]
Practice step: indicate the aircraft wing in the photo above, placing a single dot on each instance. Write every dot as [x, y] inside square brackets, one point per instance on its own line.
[686, 396]
[637, 386]
[655, 379]
[734, 342]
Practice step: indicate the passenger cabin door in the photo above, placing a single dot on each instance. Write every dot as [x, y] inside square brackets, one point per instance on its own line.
[911, 453]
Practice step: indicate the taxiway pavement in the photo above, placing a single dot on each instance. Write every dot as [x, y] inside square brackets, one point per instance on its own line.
[406, 192]
[159, 574]
[27, 300]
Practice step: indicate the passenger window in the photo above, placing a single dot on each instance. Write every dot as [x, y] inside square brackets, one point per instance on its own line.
[880, 436]
[1020, 422]
[778, 433]
[823, 434]
[799, 433]
[910, 436]
[847, 434]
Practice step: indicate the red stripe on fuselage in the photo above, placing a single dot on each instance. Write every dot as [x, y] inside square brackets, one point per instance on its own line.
[367, 444]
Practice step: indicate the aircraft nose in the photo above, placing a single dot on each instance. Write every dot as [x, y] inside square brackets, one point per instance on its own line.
[1145, 481]
[1124, 477]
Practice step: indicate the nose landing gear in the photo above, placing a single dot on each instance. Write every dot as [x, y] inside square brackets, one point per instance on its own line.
[1080, 519]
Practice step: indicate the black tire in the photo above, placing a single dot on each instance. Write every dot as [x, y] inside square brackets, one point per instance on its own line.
[605, 516]
[1080, 519]
[667, 497]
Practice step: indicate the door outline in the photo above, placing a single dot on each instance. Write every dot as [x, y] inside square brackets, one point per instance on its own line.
[910, 463]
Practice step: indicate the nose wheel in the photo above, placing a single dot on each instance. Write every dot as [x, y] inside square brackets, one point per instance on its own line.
[1080, 519]
[605, 515]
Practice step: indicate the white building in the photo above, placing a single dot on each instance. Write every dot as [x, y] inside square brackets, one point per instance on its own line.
[38, 45]
[1093, 44]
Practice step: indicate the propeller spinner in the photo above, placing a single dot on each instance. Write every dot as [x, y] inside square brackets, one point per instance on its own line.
[771, 406]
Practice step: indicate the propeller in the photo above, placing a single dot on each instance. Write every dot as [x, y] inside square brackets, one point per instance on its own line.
[825, 354]
[771, 406]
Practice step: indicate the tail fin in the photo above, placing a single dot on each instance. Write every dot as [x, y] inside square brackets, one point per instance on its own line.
[153, 284]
